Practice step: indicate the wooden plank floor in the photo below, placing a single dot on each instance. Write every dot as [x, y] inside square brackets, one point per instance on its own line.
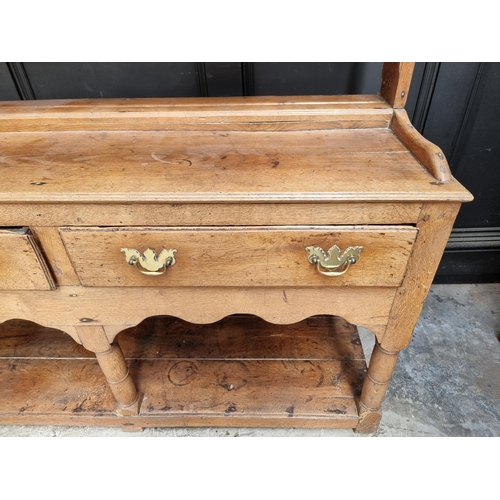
[240, 371]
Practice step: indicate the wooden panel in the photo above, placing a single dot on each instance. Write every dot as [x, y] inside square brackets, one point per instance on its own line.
[22, 266]
[265, 256]
[202, 214]
[73, 305]
[268, 385]
[190, 114]
[111, 167]
[48, 386]
[243, 388]
[396, 80]
[126, 145]
[62, 391]
[24, 339]
[238, 336]
[429, 154]
[56, 257]
[435, 224]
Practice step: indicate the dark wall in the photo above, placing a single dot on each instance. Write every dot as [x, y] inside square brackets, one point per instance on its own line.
[8, 91]
[458, 108]
[80, 80]
[94, 80]
[455, 105]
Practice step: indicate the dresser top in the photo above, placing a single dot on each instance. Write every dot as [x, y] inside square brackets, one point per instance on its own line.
[318, 149]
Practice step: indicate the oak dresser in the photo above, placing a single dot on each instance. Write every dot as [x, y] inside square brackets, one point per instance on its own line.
[239, 226]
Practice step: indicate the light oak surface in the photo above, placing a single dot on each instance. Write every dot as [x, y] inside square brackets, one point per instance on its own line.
[71, 306]
[396, 80]
[51, 245]
[251, 256]
[429, 154]
[434, 225]
[239, 187]
[226, 113]
[22, 266]
[203, 214]
[338, 165]
[205, 375]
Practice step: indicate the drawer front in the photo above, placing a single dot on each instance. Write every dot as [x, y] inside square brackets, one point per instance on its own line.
[253, 256]
[22, 266]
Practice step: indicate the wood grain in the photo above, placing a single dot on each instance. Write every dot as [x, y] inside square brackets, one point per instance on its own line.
[234, 337]
[378, 378]
[250, 113]
[240, 186]
[25, 339]
[396, 80]
[241, 336]
[52, 248]
[114, 367]
[375, 385]
[54, 400]
[230, 387]
[434, 226]
[202, 214]
[429, 154]
[22, 266]
[252, 256]
[90, 146]
[127, 306]
[314, 166]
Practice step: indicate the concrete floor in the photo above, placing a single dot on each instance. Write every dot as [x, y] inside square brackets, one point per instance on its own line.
[447, 383]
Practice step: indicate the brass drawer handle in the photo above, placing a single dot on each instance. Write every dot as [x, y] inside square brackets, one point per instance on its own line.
[332, 259]
[150, 263]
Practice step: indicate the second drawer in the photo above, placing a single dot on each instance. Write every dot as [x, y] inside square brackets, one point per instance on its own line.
[243, 256]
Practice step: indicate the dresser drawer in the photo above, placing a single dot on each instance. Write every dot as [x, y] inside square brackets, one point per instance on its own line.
[249, 256]
[22, 266]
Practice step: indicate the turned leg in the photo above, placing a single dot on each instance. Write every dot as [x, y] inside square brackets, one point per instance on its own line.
[114, 367]
[434, 226]
[382, 364]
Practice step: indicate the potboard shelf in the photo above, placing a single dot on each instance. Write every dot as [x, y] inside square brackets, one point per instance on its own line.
[240, 371]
